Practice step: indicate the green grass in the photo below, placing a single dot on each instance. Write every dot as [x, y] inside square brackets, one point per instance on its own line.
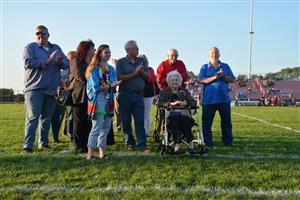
[264, 158]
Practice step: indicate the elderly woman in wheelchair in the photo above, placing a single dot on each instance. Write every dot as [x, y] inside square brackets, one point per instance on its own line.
[177, 103]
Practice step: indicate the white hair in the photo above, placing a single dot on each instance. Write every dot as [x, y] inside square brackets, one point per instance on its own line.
[174, 74]
[172, 51]
[130, 44]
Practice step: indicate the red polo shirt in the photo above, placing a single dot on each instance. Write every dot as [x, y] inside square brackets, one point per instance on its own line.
[165, 67]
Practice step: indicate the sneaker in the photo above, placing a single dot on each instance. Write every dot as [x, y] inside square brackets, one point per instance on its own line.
[46, 148]
[146, 150]
[27, 150]
[130, 147]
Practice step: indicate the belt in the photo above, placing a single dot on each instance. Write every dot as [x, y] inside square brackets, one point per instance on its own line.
[135, 92]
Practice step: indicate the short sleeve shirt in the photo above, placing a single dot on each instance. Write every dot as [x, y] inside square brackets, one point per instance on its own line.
[124, 67]
[218, 90]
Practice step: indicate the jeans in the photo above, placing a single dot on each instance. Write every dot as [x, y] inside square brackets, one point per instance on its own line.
[132, 104]
[69, 121]
[148, 101]
[208, 114]
[56, 122]
[39, 110]
[101, 125]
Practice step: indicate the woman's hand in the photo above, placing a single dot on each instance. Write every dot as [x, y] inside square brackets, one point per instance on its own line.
[180, 104]
[114, 84]
[104, 87]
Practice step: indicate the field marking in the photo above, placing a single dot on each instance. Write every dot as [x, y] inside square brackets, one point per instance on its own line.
[253, 156]
[266, 122]
[8, 114]
[158, 188]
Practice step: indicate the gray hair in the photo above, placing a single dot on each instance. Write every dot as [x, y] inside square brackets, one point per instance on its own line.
[216, 48]
[143, 56]
[129, 44]
[174, 74]
[173, 50]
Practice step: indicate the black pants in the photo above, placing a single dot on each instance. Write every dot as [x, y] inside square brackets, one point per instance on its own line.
[68, 121]
[111, 136]
[180, 125]
[208, 114]
[81, 127]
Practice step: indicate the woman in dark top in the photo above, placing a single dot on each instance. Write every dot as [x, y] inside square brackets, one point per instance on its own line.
[81, 124]
[178, 101]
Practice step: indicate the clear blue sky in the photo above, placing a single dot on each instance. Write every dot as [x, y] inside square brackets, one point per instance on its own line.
[191, 27]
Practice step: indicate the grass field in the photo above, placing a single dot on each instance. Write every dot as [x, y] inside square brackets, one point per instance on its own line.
[264, 163]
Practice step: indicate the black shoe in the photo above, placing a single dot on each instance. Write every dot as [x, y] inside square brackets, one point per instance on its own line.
[179, 151]
[27, 150]
[56, 141]
[192, 151]
[46, 148]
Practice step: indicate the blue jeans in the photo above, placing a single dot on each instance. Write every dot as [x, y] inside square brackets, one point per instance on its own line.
[208, 114]
[39, 110]
[56, 122]
[132, 103]
[101, 125]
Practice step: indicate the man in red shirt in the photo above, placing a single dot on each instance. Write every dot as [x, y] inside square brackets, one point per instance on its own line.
[169, 65]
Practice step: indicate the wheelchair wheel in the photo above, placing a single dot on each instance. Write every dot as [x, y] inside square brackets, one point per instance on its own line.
[166, 150]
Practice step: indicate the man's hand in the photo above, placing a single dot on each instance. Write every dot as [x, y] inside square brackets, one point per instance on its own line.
[220, 74]
[139, 69]
[59, 59]
[51, 57]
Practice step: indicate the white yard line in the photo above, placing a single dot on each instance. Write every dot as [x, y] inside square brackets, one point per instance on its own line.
[252, 156]
[158, 188]
[9, 114]
[267, 123]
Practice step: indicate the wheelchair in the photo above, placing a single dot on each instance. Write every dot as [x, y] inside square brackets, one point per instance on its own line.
[162, 131]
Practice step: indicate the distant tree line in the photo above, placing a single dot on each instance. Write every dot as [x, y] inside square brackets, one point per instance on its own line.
[7, 95]
[283, 74]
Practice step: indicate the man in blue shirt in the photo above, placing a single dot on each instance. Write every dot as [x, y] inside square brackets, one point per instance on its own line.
[43, 62]
[215, 76]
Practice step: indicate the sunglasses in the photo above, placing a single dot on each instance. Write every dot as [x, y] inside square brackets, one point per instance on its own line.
[42, 33]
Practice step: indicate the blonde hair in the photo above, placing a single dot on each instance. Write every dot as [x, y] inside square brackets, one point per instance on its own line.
[70, 55]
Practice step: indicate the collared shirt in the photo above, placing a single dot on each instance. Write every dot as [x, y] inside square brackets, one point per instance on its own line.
[165, 67]
[218, 90]
[39, 75]
[124, 67]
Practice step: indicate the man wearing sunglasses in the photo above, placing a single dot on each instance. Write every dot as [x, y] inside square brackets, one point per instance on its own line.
[43, 62]
[169, 65]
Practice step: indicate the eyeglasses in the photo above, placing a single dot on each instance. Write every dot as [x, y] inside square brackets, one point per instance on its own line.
[42, 33]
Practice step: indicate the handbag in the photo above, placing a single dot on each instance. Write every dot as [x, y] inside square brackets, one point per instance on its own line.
[65, 97]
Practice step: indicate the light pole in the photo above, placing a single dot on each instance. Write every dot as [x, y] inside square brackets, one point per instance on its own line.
[250, 40]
